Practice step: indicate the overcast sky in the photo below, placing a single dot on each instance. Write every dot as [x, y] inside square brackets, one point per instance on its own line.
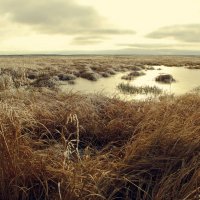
[50, 26]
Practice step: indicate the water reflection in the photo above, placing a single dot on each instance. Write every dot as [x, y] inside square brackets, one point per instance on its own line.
[186, 80]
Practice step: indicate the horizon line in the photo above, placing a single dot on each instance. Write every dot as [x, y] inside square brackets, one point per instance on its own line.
[96, 54]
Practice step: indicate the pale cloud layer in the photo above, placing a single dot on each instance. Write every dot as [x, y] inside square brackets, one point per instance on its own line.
[60, 25]
[57, 17]
[51, 16]
[184, 33]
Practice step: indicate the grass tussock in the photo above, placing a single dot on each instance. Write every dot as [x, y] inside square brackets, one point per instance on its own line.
[165, 78]
[70, 146]
[132, 75]
[30, 67]
[126, 88]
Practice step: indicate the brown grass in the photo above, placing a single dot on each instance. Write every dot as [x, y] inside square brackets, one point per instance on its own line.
[22, 71]
[70, 146]
[55, 65]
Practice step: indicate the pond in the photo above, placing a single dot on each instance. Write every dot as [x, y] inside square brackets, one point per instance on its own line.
[186, 80]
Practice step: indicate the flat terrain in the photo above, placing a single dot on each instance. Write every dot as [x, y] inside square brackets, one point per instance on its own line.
[47, 71]
[64, 145]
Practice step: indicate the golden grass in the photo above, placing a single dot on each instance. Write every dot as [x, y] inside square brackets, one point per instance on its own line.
[62, 63]
[71, 146]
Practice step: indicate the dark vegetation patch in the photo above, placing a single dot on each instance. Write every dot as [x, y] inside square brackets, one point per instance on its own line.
[66, 77]
[132, 75]
[165, 78]
[194, 67]
[45, 81]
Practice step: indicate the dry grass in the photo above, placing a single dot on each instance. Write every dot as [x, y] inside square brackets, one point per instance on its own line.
[99, 66]
[70, 146]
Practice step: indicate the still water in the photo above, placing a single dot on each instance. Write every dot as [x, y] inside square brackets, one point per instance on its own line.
[186, 80]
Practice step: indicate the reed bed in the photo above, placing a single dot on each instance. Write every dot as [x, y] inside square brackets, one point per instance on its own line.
[72, 146]
[127, 88]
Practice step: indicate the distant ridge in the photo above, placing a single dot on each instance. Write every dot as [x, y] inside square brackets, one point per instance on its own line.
[121, 52]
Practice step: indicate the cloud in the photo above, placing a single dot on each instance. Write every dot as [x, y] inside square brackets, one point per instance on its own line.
[155, 46]
[146, 45]
[97, 36]
[160, 52]
[51, 16]
[112, 31]
[184, 33]
[57, 17]
[88, 40]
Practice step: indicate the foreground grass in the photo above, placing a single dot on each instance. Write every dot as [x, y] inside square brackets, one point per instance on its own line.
[126, 88]
[70, 146]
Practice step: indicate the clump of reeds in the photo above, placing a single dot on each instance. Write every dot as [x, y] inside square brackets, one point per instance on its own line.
[89, 74]
[6, 82]
[111, 71]
[45, 81]
[105, 74]
[127, 88]
[136, 68]
[12, 78]
[150, 68]
[193, 67]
